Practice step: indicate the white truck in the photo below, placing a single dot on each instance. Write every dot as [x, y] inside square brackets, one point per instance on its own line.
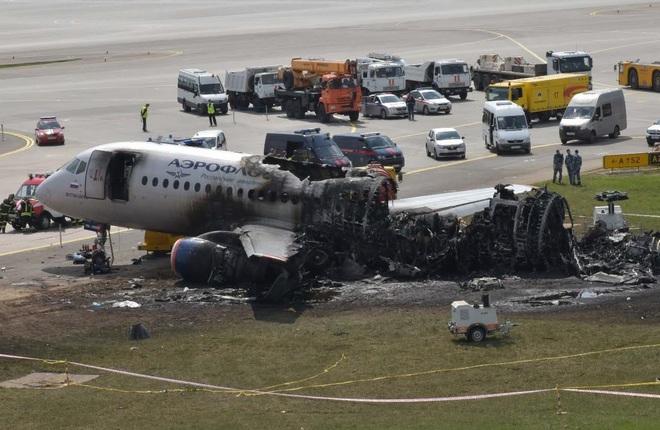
[450, 77]
[381, 73]
[492, 68]
[253, 85]
[476, 321]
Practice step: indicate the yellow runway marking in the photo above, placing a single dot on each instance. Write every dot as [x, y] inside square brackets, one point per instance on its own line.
[512, 40]
[29, 142]
[64, 242]
[484, 157]
[426, 132]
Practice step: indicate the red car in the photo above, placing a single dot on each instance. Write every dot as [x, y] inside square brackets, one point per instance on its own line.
[49, 132]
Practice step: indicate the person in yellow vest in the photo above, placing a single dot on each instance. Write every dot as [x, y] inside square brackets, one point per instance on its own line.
[210, 109]
[144, 113]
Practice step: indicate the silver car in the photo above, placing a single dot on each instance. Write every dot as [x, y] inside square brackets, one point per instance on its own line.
[444, 142]
[384, 105]
[429, 101]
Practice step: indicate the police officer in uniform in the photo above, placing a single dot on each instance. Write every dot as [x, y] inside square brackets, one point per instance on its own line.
[210, 109]
[410, 104]
[557, 166]
[577, 165]
[570, 166]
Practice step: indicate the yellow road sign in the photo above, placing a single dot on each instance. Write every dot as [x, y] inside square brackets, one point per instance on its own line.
[625, 161]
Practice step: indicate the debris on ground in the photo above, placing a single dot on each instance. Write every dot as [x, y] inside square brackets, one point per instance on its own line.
[126, 304]
[482, 284]
[43, 380]
[138, 332]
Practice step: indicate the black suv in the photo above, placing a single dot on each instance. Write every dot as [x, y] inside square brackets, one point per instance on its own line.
[364, 148]
[306, 145]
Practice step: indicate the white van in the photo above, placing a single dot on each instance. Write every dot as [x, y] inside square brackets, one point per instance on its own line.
[594, 113]
[197, 87]
[504, 127]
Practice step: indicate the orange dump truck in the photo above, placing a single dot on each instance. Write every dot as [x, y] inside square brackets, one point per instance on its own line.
[325, 87]
[639, 75]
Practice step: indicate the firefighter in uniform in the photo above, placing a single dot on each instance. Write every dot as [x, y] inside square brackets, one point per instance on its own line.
[25, 213]
[5, 209]
[210, 109]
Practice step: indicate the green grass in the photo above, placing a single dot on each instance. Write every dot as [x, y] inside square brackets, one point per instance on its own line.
[37, 63]
[238, 350]
[643, 190]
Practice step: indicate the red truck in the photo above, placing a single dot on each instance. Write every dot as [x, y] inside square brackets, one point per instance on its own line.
[41, 215]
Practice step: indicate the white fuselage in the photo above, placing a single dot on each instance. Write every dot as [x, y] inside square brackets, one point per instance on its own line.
[174, 189]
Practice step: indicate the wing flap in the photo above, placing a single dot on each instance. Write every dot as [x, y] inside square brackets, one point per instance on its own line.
[267, 242]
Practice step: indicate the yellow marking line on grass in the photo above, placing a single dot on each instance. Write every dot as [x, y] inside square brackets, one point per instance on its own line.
[64, 242]
[29, 142]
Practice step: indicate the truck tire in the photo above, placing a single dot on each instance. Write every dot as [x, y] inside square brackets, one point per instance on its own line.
[615, 133]
[633, 79]
[42, 222]
[299, 110]
[463, 95]
[287, 106]
[321, 114]
[353, 116]
[476, 334]
[484, 82]
[656, 82]
[592, 137]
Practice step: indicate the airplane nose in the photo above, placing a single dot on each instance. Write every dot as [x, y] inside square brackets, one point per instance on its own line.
[44, 192]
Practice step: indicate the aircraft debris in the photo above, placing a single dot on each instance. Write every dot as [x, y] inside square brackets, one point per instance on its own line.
[126, 304]
[138, 332]
[482, 284]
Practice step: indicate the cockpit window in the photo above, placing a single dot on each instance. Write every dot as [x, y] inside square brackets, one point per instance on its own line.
[71, 168]
[81, 167]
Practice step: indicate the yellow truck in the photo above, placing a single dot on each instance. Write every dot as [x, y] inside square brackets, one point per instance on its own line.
[639, 75]
[158, 243]
[541, 96]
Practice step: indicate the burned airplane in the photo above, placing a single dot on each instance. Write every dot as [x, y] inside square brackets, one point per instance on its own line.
[246, 219]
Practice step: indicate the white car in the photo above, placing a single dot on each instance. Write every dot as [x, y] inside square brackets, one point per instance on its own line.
[429, 101]
[384, 105]
[211, 139]
[444, 142]
[653, 133]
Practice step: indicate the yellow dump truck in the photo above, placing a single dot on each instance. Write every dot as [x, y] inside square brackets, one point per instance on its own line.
[541, 96]
[639, 75]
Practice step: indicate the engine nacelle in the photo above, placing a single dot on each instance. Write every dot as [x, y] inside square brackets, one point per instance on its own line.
[193, 258]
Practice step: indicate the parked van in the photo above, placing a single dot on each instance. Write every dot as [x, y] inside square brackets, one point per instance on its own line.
[592, 114]
[197, 87]
[365, 148]
[306, 145]
[504, 127]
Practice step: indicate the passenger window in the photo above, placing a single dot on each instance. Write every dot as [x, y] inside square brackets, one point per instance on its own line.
[145, 180]
[186, 185]
[597, 114]
[81, 167]
[272, 195]
[218, 189]
[239, 193]
[166, 182]
[208, 188]
[607, 109]
[154, 182]
[197, 187]
[284, 197]
[175, 184]
[229, 192]
[364, 74]
[251, 194]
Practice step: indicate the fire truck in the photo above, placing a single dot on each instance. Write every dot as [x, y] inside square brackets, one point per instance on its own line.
[42, 216]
